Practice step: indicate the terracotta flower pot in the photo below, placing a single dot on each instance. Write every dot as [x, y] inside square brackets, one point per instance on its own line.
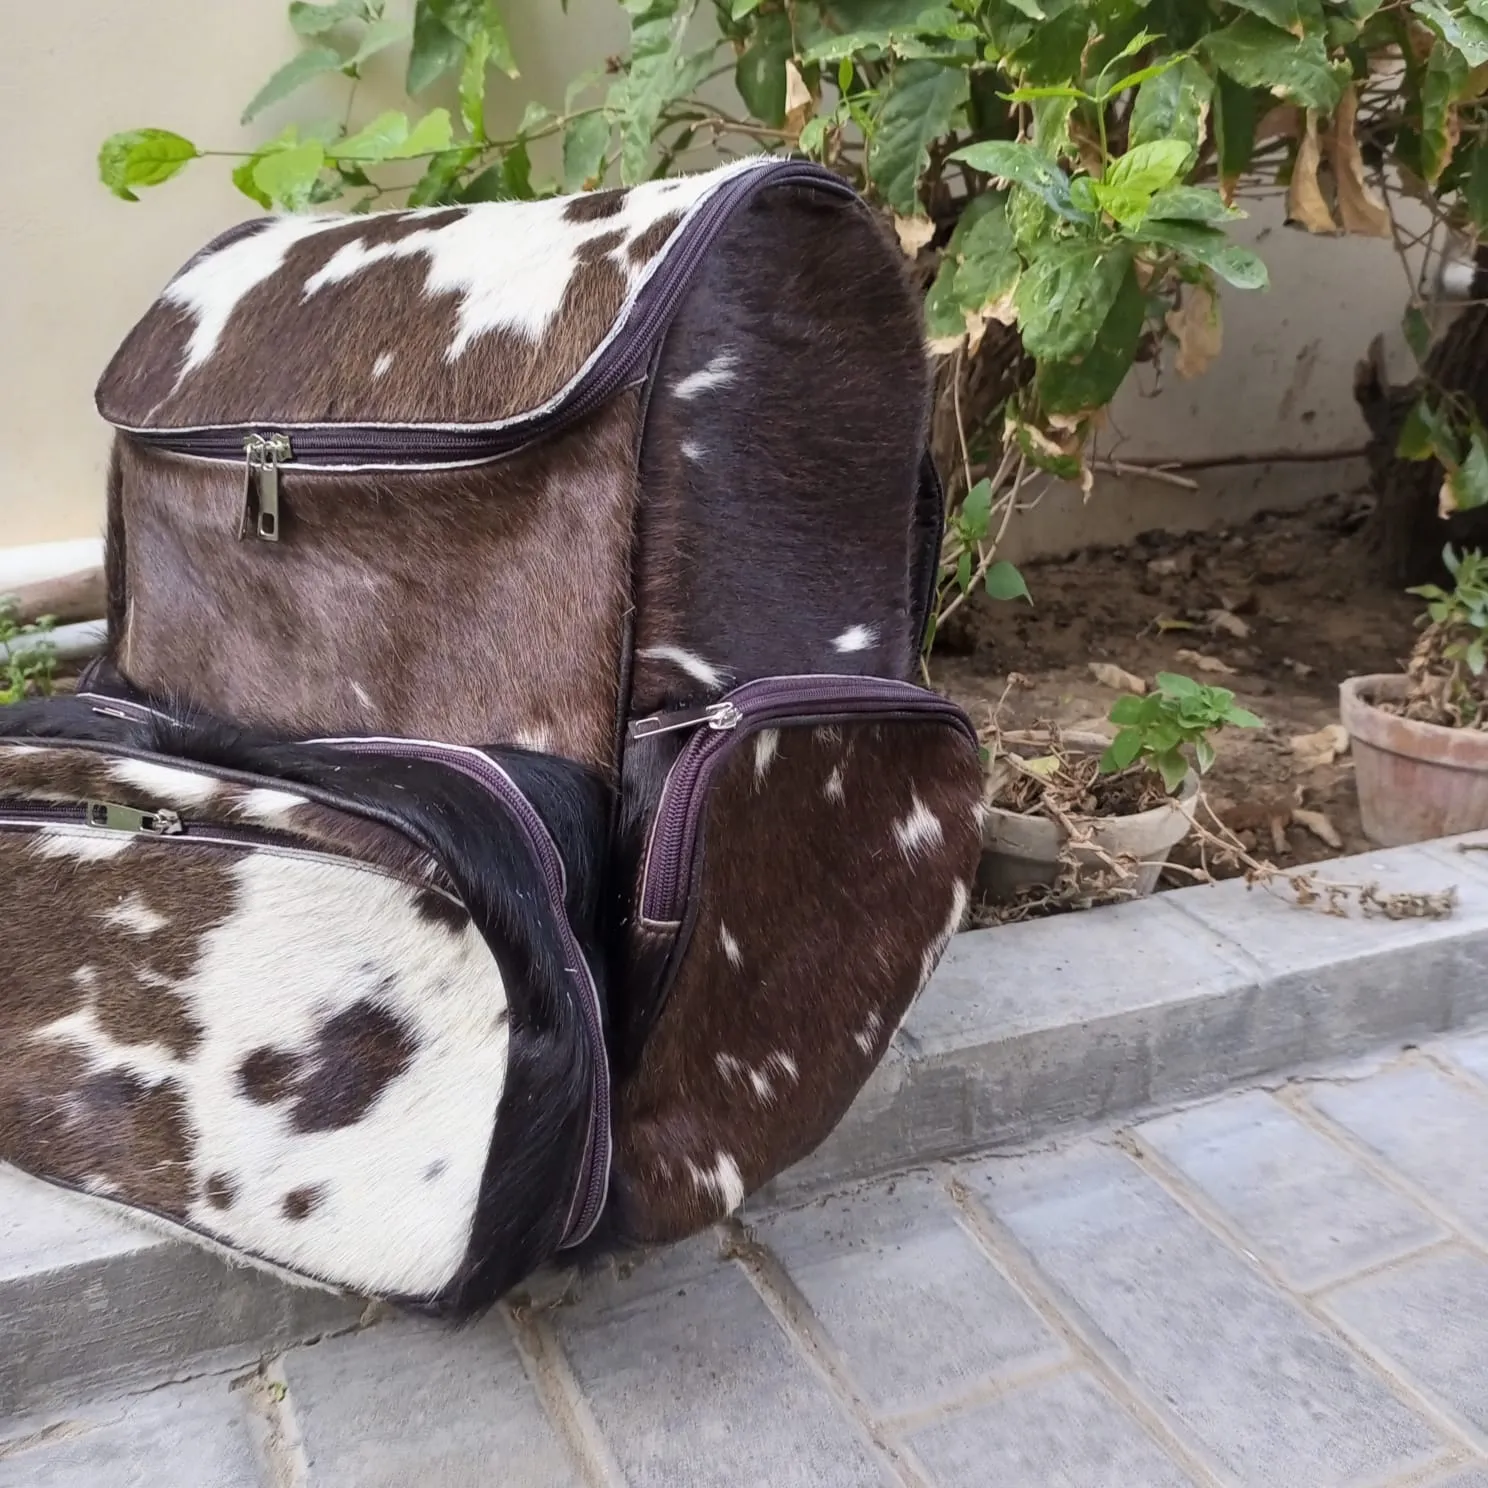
[1416, 780]
[1022, 852]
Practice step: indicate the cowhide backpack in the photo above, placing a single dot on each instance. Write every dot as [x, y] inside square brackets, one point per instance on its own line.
[637, 480]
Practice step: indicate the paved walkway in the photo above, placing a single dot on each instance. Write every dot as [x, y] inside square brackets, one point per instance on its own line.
[1285, 1288]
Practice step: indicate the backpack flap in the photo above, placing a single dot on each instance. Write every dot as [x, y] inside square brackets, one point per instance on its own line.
[329, 1007]
[403, 425]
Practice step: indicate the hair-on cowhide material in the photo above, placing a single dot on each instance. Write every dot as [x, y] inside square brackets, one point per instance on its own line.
[297, 1055]
[470, 605]
[836, 864]
[443, 315]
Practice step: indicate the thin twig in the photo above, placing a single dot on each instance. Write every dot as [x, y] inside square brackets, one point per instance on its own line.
[1145, 472]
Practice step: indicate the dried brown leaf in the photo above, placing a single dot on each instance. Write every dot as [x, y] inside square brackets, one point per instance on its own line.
[1229, 623]
[1198, 329]
[798, 101]
[1305, 202]
[1117, 678]
[1206, 663]
[1446, 500]
[913, 233]
[1320, 748]
[1320, 827]
[1361, 210]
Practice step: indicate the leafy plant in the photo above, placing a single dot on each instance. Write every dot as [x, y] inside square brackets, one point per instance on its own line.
[1449, 667]
[30, 662]
[1170, 730]
[1064, 172]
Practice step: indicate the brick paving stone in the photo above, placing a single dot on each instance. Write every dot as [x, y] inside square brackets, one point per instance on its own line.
[1066, 1432]
[420, 1405]
[187, 1436]
[1250, 1378]
[1428, 1318]
[697, 1385]
[917, 1309]
[1300, 1200]
[1426, 1125]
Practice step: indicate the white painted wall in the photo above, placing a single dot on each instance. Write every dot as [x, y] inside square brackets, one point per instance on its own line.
[78, 266]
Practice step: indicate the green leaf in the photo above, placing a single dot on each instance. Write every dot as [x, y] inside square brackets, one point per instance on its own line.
[289, 176]
[585, 142]
[976, 509]
[436, 187]
[1173, 106]
[1260, 55]
[142, 157]
[760, 72]
[659, 73]
[1207, 246]
[978, 268]
[1204, 755]
[473, 86]
[921, 105]
[963, 572]
[1053, 53]
[1415, 439]
[516, 169]
[436, 47]
[375, 141]
[742, 8]
[1191, 204]
[1065, 295]
[1475, 193]
[299, 70]
[378, 37]
[1460, 29]
[1444, 79]
[1176, 685]
[1074, 386]
[1234, 129]
[1173, 768]
[1005, 582]
[242, 178]
[1130, 182]
[1027, 167]
[316, 20]
[1295, 16]
[1469, 481]
[1417, 332]
[1127, 710]
[1242, 718]
[1121, 751]
[430, 135]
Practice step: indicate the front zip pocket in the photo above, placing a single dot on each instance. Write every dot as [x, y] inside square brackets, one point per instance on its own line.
[769, 702]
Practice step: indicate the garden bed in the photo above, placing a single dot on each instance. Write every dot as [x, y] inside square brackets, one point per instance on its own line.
[1296, 584]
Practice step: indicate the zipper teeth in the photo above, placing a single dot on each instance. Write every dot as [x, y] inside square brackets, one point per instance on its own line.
[594, 1179]
[768, 700]
[395, 445]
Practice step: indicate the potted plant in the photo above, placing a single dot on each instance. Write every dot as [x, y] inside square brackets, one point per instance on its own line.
[1420, 739]
[1073, 819]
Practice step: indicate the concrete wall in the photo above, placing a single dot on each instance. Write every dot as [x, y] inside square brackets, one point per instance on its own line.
[79, 266]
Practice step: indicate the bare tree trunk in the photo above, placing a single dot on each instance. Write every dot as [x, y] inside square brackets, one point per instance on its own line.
[1405, 533]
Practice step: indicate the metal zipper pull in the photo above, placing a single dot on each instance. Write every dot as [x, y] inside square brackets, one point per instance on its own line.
[717, 716]
[263, 457]
[113, 818]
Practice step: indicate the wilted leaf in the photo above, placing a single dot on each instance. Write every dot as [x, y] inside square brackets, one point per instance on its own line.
[1199, 331]
[922, 103]
[313, 63]
[1363, 213]
[798, 100]
[1466, 487]
[1305, 202]
[1320, 748]
[1117, 679]
[1320, 827]
[1205, 663]
[913, 233]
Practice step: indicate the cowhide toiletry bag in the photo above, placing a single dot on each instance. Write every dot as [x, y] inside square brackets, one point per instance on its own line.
[330, 1006]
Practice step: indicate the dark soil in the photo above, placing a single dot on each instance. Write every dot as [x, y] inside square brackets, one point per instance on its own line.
[1299, 585]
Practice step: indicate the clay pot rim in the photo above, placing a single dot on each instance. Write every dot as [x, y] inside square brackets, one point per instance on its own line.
[1096, 744]
[1437, 743]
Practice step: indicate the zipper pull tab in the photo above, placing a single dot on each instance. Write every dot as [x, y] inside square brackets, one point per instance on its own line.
[263, 458]
[717, 716]
[111, 818]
